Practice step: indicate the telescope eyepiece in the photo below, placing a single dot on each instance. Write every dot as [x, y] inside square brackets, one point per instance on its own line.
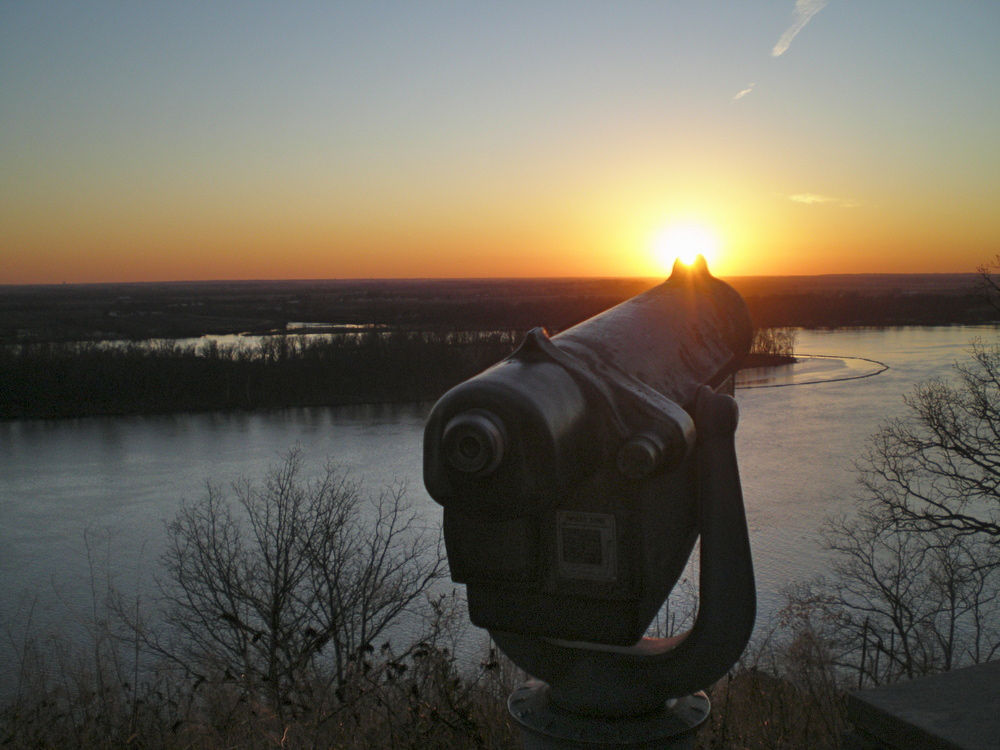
[474, 442]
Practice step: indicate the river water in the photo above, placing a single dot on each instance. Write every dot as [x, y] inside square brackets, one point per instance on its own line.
[119, 479]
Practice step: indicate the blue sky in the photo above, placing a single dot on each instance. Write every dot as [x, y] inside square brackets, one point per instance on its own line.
[165, 140]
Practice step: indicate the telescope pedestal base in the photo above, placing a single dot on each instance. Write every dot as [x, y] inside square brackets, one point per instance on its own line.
[545, 726]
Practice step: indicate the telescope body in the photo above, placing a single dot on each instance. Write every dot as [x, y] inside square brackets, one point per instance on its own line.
[567, 472]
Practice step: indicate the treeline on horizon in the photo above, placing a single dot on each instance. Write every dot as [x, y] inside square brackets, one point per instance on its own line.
[866, 310]
[54, 363]
[193, 309]
[117, 378]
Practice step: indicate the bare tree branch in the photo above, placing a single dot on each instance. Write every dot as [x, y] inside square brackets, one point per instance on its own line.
[915, 583]
[284, 586]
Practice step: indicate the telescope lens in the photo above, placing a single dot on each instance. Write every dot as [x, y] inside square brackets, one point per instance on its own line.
[474, 442]
[469, 447]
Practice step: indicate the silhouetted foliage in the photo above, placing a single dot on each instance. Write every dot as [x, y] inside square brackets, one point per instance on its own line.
[76, 379]
[272, 630]
[914, 586]
[858, 309]
[939, 466]
[771, 346]
[988, 287]
[900, 602]
[287, 585]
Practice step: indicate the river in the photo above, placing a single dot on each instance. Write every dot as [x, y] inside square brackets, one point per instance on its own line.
[802, 427]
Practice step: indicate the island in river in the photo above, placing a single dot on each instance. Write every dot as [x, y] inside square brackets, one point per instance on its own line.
[77, 350]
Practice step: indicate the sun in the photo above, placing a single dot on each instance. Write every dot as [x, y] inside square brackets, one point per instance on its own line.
[685, 242]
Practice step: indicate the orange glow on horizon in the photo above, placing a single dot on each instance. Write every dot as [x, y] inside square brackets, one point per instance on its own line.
[592, 233]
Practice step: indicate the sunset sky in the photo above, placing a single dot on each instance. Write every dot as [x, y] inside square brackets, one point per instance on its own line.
[147, 141]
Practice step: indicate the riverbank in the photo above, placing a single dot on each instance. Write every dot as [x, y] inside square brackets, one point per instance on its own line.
[761, 359]
[84, 379]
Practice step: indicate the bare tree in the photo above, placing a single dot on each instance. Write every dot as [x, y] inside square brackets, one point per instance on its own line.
[774, 341]
[916, 575]
[901, 602]
[286, 584]
[939, 466]
[988, 286]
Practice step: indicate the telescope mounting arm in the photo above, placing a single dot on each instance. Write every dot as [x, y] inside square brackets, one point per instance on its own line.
[602, 680]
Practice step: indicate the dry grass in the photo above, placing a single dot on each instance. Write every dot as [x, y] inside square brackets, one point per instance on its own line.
[419, 701]
[779, 697]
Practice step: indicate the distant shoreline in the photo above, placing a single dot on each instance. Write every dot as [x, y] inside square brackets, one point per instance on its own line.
[193, 309]
[86, 379]
[395, 342]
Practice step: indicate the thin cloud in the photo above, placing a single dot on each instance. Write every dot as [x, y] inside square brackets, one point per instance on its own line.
[813, 198]
[744, 92]
[804, 10]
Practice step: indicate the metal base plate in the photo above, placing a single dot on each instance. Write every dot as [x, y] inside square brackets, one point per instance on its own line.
[545, 726]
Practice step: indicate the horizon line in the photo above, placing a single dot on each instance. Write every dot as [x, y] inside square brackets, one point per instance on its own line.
[361, 279]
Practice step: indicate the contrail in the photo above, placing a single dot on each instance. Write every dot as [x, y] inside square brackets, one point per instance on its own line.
[804, 10]
[744, 92]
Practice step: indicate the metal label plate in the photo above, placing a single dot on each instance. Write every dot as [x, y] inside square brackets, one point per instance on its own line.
[586, 545]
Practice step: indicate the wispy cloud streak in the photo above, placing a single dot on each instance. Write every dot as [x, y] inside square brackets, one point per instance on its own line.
[744, 92]
[813, 198]
[804, 10]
